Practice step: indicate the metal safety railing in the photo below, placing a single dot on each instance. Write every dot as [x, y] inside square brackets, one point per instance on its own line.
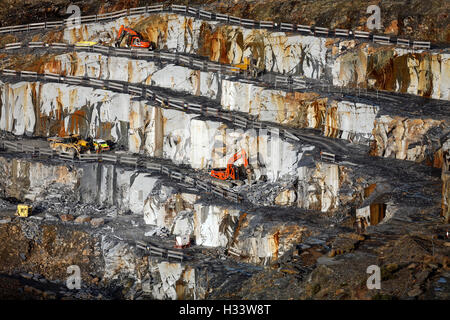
[203, 14]
[127, 160]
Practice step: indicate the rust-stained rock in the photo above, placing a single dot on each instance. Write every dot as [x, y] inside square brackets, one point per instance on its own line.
[262, 243]
[344, 243]
[387, 68]
[83, 219]
[49, 254]
[286, 198]
[318, 188]
[96, 222]
[404, 138]
[445, 211]
[66, 217]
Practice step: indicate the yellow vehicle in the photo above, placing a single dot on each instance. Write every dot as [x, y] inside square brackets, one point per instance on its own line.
[23, 210]
[242, 66]
[101, 145]
[75, 145]
[248, 65]
[72, 144]
[85, 43]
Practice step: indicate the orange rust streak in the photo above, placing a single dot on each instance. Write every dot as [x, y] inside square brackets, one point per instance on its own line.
[238, 227]
[368, 191]
[276, 242]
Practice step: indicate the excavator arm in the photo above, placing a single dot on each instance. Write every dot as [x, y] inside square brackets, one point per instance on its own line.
[120, 36]
[230, 171]
[242, 154]
[124, 32]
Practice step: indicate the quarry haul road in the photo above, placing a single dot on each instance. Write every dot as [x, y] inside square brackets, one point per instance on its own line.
[228, 20]
[401, 175]
[182, 176]
[391, 102]
[158, 97]
[202, 106]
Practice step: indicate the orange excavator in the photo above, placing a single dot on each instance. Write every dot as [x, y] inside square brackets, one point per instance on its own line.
[232, 172]
[134, 40]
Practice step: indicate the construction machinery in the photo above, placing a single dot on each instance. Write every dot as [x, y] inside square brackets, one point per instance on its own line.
[23, 210]
[85, 43]
[71, 144]
[233, 172]
[247, 66]
[74, 145]
[101, 145]
[134, 39]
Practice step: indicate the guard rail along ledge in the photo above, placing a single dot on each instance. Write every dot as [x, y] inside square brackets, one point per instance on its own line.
[147, 94]
[194, 12]
[125, 160]
[285, 82]
[161, 101]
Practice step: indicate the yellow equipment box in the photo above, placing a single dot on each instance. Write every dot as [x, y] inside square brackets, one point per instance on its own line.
[23, 210]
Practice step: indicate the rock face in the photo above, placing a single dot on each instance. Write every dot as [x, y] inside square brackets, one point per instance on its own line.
[414, 19]
[161, 203]
[342, 62]
[262, 242]
[298, 209]
[273, 51]
[83, 219]
[392, 69]
[164, 205]
[304, 110]
[50, 109]
[318, 187]
[408, 139]
[446, 182]
[171, 209]
[173, 281]
[24, 180]
[66, 217]
[180, 137]
[105, 264]
[120, 260]
[56, 109]
[48, 250]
